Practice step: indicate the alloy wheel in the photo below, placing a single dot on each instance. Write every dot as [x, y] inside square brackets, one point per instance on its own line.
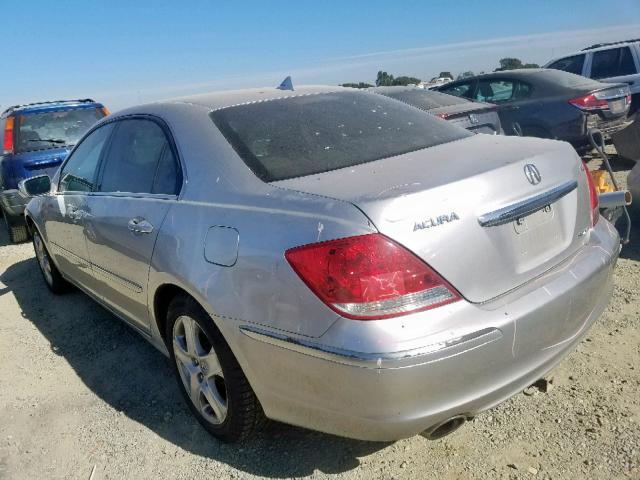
[200, 369]
[43, 258]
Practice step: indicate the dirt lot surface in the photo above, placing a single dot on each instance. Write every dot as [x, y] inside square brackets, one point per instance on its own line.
[80, 392]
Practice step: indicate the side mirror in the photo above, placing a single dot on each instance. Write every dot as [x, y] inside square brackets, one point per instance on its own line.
[35, 186]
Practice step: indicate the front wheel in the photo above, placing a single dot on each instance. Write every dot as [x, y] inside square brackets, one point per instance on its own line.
[209, 375]
[52, 277]
[17, 231]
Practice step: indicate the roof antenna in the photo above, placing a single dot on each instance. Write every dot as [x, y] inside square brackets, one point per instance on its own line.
[286, 84]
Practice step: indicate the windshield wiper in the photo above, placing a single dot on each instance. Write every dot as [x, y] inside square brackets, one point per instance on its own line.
[50, 140]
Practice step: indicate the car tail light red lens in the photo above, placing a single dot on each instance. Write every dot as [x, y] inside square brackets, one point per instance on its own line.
[588, 102]
[442, 115]
[593, 197]
[369, 277]
[7, 145]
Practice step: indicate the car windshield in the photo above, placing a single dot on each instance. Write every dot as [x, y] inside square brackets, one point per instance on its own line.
[425, 99]
[38, 131]
[309, 134]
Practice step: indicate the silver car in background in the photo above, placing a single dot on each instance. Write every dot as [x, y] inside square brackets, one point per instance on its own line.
[329, 258]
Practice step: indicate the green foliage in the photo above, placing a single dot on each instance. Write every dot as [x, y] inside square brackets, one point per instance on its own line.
[404, 80]
[383, 79]
[357, 85]
[513, 63]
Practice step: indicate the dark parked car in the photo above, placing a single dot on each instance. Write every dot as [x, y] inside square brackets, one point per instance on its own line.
[616, 62]
[478, 117]
[36, 139]
[548, 103]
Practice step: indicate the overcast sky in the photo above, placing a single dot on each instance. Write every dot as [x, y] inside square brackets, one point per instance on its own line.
[123, 53]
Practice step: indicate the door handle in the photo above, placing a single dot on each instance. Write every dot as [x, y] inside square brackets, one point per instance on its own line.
[140, 225]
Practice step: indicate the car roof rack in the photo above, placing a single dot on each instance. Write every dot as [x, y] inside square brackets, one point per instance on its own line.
[598, 45]
[80, 100]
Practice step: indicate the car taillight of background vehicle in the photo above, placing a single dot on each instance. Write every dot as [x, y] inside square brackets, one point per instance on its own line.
[593, 197]
[7, 145]
[589, 102]
[369, 277]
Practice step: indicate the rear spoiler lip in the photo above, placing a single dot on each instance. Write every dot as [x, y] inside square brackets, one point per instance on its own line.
[526, 207]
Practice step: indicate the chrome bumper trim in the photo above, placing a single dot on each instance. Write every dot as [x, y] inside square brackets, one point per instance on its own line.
[426, 354]
[526, 207]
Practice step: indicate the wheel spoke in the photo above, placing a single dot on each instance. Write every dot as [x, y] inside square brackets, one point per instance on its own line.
[211, 363]
[180, 354]
[217, 403]
[190, 333]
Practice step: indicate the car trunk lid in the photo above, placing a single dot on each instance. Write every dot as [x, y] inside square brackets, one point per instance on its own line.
[488, 213]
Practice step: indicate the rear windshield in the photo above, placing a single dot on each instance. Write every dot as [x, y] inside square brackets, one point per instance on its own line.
[425, 99]
[38, 131]
[309, 134]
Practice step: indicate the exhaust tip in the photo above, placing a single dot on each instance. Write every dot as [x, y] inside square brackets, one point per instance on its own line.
[444, 428]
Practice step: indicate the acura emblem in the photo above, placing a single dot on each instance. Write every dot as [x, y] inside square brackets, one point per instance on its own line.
[532, 173]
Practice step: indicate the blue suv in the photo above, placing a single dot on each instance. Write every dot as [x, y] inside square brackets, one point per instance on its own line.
[37, 138]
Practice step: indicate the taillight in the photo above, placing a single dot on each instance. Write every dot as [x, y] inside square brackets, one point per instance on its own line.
[369, 277]
[589, 102]
[627, 100]
[593, 198]
[442, 115]
[8, 135]
[105, 111]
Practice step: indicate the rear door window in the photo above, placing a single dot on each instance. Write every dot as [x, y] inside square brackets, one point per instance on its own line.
[571, 64]
[615, 62]
[309, 134]
[140, 160]
[79, 172]
[463, 90]
[495, 91]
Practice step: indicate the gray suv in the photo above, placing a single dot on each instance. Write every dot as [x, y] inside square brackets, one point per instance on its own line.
[617, 62]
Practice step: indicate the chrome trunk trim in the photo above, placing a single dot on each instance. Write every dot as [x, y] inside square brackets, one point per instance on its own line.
[526, 207]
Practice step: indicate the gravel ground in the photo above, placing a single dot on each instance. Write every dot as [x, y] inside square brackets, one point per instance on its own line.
[81, 391]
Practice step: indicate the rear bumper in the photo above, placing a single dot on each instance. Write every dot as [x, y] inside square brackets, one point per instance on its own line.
[13, 203]
[487, 353]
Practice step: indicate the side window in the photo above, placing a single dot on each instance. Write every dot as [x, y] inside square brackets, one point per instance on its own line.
[495, 91]
[459, 90]
[614, 62]
[572, 64]
[79, 172]
[522, 91]
[140, 160]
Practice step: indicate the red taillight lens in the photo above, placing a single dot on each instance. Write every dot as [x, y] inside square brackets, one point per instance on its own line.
[105, 111]
[627, 99]
[593, 197]
[442, 115]
[588, 102]
[369, 277]
[7, 145]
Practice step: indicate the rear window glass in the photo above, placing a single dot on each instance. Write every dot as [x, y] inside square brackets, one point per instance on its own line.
[309, 134]
[425, 99]
[572, 64]
[38, 131]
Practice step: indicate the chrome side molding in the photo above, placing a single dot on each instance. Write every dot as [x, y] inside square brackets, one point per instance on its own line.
[526, 207]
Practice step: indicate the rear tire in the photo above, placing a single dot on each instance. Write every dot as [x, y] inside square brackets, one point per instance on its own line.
[52, 276]
[17, 232]
[208, 374]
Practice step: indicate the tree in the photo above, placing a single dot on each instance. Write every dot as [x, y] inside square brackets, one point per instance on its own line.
[509, 63]
[466, 74]
[404, 80]
[531, 65]
[357, 85]
[383, 79]
[446, 74]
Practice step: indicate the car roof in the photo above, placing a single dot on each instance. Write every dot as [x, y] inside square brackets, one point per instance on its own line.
[230, 98]
[54, 105]
[595, 48]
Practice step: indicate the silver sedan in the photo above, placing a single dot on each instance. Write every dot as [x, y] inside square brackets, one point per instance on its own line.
[329, 258]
